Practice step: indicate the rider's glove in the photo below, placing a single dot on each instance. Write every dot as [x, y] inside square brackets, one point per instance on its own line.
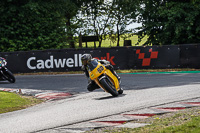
[105, 62]
[109, 67]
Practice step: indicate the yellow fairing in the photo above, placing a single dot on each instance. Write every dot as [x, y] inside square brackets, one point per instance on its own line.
[99, 70]
[113, 78]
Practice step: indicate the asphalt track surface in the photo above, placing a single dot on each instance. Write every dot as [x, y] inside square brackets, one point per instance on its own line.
[78, 82]
[140, 91]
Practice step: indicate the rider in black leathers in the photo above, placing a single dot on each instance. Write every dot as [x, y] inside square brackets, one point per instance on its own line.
[86, 58]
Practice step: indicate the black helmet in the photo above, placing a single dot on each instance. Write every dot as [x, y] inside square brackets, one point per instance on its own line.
[86, 58]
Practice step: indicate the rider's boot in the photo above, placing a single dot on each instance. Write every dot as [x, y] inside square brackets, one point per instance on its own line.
[92, 85]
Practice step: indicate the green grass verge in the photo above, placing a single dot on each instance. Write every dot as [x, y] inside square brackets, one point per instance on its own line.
[188, 127]
[11, 102]
[108, 43]
[184, 121]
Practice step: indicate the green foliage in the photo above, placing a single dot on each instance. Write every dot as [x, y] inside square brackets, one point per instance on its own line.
[124, 14]
[170, 22]
[95, 19]
[30, 26]
[108, 19]
[55, 24]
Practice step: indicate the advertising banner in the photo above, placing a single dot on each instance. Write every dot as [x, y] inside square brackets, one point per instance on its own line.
[149, 57]
[61, 60]
[154, 57]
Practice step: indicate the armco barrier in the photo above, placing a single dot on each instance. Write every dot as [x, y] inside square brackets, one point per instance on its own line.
[150, 57]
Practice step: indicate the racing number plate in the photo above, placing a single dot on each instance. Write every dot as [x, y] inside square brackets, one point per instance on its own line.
[100, 69]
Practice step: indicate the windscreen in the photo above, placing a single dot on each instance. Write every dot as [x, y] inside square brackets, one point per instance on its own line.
[92, 65]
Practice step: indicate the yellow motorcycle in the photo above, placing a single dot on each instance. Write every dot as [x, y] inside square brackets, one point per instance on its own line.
[104, 78]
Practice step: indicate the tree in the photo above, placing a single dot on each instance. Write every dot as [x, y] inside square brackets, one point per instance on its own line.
[107, 19]
[96, 19]
[125, 13]
[29, 25]
[170, 21]
[70, 10]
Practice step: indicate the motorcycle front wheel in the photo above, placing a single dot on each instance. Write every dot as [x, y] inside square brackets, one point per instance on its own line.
[9, 76]
[109, 86]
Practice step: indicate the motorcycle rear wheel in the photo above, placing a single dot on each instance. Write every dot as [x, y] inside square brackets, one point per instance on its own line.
[9, 76]
[108, 85]
[120, 91]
